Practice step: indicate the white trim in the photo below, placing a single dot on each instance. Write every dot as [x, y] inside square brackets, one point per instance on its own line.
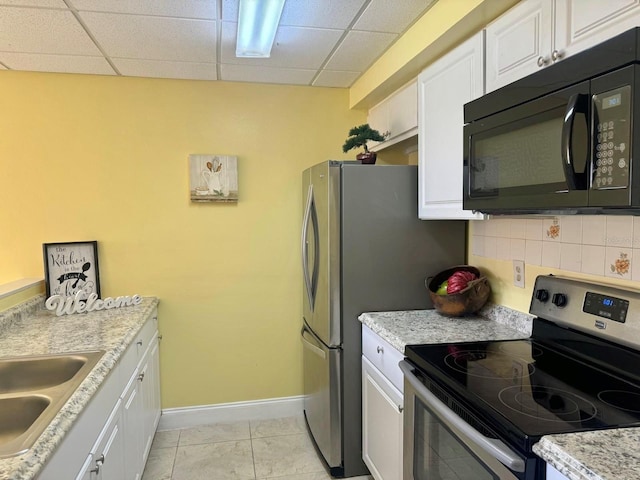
[11, 288]
[173, 418]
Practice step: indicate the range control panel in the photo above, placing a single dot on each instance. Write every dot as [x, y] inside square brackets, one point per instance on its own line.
[602, 310]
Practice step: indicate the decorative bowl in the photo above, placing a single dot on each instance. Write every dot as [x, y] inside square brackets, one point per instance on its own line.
[464, 302]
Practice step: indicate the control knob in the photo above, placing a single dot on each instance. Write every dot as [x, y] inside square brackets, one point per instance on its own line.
[559, 299]
[542, 295]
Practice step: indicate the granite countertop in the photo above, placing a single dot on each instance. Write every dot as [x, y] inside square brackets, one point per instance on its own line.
[413, 327]
[28, 329]
[596, 455]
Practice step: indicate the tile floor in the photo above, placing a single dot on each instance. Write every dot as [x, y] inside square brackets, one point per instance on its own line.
[278, 449]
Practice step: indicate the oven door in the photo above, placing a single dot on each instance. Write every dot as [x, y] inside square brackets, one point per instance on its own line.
[439, 445]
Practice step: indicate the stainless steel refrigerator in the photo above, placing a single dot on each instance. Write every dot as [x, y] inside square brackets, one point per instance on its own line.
[363, 249]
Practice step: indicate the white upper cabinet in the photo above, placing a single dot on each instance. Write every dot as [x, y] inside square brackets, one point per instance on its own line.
[443, 89]
[581, 24]
[397, 114]
[537, 33]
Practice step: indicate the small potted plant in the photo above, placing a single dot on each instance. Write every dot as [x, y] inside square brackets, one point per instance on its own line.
[358, 137]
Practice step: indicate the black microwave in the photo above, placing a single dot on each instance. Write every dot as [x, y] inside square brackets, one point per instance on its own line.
[561, 140]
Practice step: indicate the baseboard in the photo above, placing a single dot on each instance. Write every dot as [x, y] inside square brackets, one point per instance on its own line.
[173, 418]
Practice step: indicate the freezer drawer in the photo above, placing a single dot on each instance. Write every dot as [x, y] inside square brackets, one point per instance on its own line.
[322, 392]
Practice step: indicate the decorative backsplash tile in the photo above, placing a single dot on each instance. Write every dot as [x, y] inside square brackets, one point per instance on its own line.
[598, 245]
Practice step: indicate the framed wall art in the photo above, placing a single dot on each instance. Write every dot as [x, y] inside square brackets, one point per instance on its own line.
[70, 268]
[213, 178]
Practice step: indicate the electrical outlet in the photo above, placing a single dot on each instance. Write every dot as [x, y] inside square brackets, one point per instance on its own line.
[518, 273]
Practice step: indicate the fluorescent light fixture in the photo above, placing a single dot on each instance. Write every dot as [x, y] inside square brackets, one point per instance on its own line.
[257, 25]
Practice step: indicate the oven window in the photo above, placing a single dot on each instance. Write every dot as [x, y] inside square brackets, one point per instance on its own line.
[439, 455]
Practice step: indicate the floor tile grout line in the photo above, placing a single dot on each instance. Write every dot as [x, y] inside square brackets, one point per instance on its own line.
[175, 456]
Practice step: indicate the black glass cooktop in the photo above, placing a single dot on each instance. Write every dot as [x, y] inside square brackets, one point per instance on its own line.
[556, 382]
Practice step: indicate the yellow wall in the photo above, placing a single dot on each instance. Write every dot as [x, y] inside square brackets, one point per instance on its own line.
[105, 158]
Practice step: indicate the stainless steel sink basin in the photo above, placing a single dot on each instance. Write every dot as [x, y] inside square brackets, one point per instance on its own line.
[33, 390]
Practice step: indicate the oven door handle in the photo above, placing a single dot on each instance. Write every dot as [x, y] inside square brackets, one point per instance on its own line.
[495, 448]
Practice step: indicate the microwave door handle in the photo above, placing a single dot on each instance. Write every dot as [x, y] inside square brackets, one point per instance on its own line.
[495, 448]
[578, 103]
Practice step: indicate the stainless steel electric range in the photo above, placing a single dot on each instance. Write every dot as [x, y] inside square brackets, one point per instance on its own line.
[474, 410]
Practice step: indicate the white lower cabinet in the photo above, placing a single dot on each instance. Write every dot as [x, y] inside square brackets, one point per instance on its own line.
[382, 406]
[119, 422]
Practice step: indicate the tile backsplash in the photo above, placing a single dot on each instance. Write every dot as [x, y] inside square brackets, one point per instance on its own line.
[598, 245]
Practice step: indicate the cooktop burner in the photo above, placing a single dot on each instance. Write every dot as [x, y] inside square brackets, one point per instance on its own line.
[532, 387]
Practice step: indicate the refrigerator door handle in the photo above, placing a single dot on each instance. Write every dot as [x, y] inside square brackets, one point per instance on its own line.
[310, 278]
[307, 344]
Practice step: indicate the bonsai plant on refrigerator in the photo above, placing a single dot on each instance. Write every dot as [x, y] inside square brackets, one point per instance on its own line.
[358, 137]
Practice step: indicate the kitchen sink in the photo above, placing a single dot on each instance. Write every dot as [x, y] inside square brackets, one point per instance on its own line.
[33, 389]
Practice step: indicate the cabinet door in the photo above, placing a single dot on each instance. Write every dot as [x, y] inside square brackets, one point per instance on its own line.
[87, 472]
[519, 42]
[378, 119]
[133, 428]
[109, 450]
[150, 393]
[382, 406]
[403, 111]
[581, 24]
[443, 89]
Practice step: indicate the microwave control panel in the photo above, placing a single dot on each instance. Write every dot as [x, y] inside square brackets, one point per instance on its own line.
[611, 130]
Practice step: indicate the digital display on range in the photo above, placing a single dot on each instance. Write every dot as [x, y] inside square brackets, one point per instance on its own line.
[606, 306]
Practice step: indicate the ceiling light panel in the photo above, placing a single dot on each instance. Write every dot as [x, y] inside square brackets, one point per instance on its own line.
[257, 25]
[36, 30]
[294, 47]
[201, 9]
[153, 38]
[307, 13]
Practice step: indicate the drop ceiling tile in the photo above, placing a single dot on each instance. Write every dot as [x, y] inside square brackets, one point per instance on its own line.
[257, 74]
[56, 63]
[307, 13]
[153, 38]
[359, 50]
[33, 30]
[203, 9]
[35, 3]
[162, 69]
[393, 17]
[294, 47]
[332, 78]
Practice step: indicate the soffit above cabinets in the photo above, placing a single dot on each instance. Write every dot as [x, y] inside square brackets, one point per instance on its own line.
[327, 43]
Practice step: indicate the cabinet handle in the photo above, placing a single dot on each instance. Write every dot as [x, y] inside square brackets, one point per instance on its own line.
[380, 349]
[139, 343]
[100, 460]
[400, 408]
[542, 61]
[556, 55]
[141, 377]
[159, 338]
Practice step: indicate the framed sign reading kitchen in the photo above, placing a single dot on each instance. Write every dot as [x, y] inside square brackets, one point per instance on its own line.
[70, 268]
